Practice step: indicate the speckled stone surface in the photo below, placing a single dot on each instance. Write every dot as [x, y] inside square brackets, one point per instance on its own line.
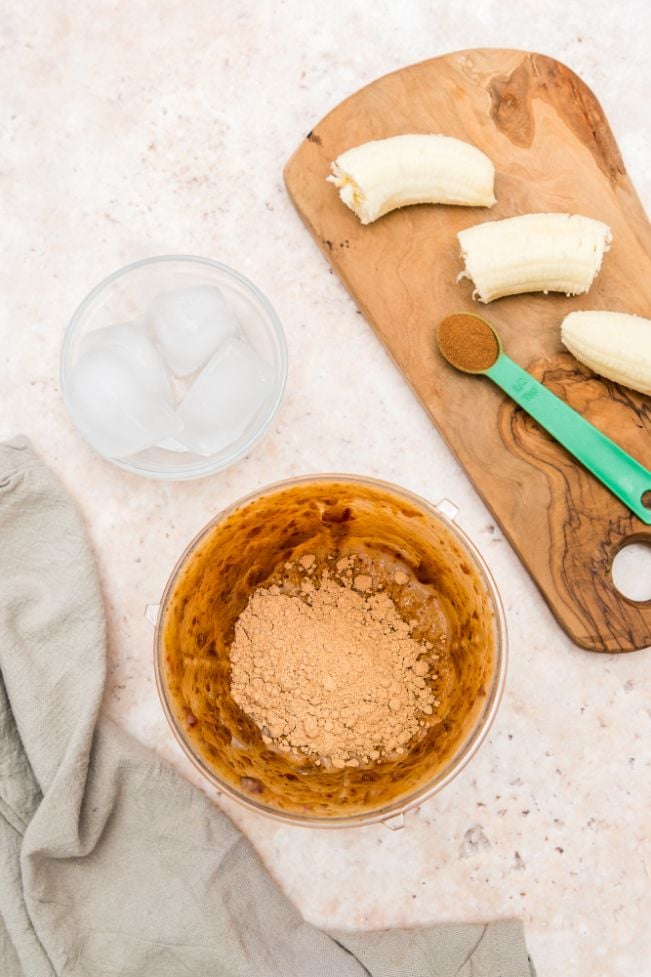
[135, 129]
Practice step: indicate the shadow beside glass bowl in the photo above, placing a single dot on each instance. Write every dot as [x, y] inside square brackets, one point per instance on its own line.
[247, 546]
[126, 294]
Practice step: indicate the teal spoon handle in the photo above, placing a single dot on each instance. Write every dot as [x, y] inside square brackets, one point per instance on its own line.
[618, 471]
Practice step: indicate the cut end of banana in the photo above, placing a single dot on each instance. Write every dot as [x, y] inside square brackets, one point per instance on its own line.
[615, 345]
[379, 176]
[533, 253]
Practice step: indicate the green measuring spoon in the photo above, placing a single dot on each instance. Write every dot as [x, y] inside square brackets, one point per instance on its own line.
[468, 345]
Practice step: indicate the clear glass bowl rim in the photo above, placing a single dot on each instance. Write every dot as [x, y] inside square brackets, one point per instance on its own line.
[402, 804]
[241, 448]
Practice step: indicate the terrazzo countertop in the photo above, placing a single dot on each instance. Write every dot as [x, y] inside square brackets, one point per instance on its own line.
[135, 129]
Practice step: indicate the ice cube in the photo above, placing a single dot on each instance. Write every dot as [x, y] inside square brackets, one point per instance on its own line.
[190, 325]
[171, 444]
[225, 397]
[113, 409]
[143, 356]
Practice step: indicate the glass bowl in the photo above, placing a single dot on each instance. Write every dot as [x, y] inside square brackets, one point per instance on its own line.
[125, 296]
[243, 547]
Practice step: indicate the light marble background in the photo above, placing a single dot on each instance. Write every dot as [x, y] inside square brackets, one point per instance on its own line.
[132, 129]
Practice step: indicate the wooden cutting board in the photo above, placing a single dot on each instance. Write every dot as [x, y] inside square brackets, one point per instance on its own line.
[553, 151]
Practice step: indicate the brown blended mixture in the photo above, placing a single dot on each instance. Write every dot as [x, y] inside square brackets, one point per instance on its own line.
[332, 672]
[370, 549]
[467, 342]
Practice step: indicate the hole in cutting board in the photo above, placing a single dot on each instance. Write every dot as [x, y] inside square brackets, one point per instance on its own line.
[631, 571]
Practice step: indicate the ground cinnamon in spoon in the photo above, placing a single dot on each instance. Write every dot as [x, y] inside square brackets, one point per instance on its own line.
[467, 342]
[333, 673]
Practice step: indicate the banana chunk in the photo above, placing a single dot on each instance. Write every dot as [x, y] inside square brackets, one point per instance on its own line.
[379, 176]
[616, 345]
[533, 253]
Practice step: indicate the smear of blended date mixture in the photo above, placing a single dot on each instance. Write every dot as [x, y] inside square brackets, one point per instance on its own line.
[332, 672]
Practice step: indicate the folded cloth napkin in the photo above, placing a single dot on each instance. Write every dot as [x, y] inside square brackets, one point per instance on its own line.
[111, 865]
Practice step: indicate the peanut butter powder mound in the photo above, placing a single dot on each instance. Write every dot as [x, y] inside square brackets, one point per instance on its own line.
[333, 674]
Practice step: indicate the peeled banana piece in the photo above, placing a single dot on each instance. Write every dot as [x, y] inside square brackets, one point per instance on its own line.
[379, 176]
[616, 345]
[533, 253]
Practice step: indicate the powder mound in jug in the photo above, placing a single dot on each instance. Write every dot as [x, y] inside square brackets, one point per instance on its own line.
[333, 673]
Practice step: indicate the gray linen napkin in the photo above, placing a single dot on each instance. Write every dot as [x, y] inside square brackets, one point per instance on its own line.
[111, 865]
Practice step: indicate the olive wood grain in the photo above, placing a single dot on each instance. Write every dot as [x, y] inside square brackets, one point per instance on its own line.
[553, 151]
